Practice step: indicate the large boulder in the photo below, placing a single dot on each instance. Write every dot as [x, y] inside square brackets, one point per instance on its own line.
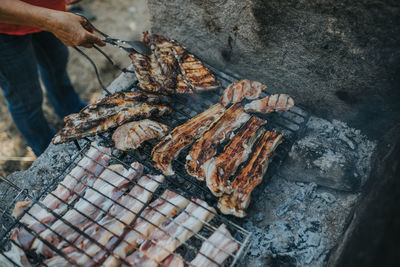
[340, 58]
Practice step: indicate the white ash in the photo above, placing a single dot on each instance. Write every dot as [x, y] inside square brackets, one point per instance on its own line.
[331, 154]
[297, 223]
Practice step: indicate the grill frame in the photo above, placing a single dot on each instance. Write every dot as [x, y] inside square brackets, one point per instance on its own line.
[291, 123]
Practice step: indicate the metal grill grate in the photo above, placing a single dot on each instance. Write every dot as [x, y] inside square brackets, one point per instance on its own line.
[187, 250]
[289, 122]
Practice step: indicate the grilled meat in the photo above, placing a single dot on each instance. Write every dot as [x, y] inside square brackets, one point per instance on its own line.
[97, 200]
[150, 75]
[194, 72]
[77, 129]
[243, 89]
[250, 175]
[162, 242]
[216, 249]
[108, 230]
[183, 136]
[110, 105]
[278, 102]
[167, 206]
[206, 147]
[171, 69]
[133, 134]
[73, 185]
[218, 169]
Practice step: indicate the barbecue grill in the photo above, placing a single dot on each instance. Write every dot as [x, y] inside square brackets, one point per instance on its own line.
[290, 123]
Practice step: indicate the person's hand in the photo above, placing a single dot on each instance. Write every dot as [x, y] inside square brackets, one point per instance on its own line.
[74, 30]
[70, 2]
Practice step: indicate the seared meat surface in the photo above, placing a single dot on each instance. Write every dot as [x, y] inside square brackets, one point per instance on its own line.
[218, 169]
[206, 147]
[250, 175]
[170, 69]
[108, 113]
[243, 89]
[277, 102]
[183, 136]
[131, 135]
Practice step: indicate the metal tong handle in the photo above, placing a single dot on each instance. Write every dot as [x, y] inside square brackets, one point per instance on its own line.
[95, 69]
[107, 39]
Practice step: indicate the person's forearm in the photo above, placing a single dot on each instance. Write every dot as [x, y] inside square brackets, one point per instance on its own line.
[21, 13]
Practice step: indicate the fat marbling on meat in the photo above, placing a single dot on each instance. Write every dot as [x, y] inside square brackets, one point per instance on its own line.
[249, 176]
[216, 249]
[166, 239]
[206, 147]
[218, 169]
[243, 89]
[183, 136]
[277, 102]
[131, 135]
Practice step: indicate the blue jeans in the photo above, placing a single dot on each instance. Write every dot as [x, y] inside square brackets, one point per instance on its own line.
[22, 60]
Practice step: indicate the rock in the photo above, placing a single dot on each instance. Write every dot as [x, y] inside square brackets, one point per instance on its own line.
[330, 154]
[338, 57]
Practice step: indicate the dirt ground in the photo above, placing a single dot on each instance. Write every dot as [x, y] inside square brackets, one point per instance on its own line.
[124, 19]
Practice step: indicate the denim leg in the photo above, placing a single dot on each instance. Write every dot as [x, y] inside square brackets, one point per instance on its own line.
[20, 83]
[52, 56]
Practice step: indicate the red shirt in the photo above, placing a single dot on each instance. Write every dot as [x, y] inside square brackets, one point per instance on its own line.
[21, 29]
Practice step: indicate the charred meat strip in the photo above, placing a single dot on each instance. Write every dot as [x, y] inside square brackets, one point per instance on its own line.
[250, 175]
[194, 72]
[183, 136]
[90, 208]
[85, 128]
[150, 75]
[171, 69]
[108, 230]
[159, 72]
[110, 105]
[243, 89]
[206, 147]
[218, 169]
[162, 242]
[163, 53]
[277, 102]
[73, 185]
[167, 206]
[216, 249]
[131, 135]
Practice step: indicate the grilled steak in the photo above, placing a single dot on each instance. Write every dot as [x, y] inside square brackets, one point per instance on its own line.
[206, 147]
[100, 118]
[183, 136]
[277, 102]
[218, 169]
[171, 69]
[131, 135]
[249, 176]
[243, 89]
[216, 249]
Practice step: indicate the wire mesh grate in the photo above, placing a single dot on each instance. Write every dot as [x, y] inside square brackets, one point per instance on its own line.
[188, 249]
[290, 123]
